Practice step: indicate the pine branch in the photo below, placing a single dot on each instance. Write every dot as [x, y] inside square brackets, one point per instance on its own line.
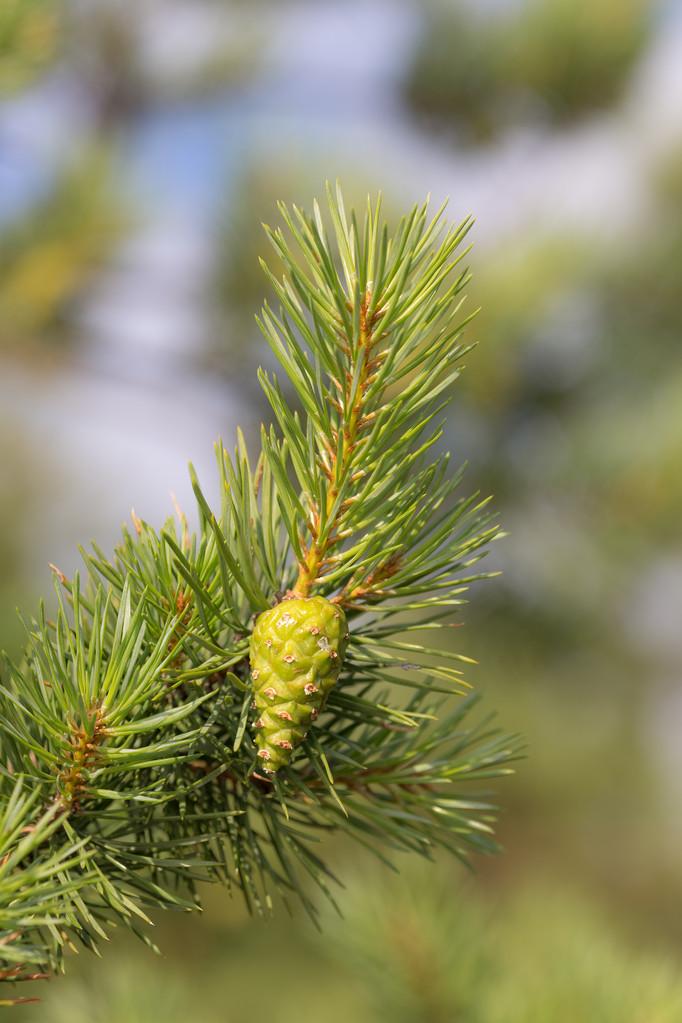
[371, 386]
[129, 718]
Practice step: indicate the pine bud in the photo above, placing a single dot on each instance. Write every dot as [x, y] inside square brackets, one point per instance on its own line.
[297, 650]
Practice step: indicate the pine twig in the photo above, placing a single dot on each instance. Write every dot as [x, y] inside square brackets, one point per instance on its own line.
[128, 772]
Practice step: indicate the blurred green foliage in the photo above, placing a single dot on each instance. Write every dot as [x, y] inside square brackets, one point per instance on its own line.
[572, 411]
[542, 60]
[422, 947]
[50, 255]
[110, 47]
[429, 950]
[52, 251]
[30, 35]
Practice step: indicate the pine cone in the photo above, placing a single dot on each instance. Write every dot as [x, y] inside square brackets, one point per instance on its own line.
[297, 650]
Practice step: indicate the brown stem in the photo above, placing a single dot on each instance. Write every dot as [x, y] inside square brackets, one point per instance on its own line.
[71, 783]
[336, 464]
[83, 748]
[372, 589]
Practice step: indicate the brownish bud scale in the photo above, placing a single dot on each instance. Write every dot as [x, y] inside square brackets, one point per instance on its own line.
[296, 652]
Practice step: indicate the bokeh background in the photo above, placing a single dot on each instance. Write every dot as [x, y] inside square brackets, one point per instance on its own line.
[142, 142]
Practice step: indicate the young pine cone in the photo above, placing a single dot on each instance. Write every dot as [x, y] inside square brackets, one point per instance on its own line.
[297, 650]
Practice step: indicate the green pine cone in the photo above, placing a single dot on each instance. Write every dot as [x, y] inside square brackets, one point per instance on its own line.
[297, 650]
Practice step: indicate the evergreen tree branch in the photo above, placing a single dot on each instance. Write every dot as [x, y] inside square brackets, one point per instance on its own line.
[129, 717]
